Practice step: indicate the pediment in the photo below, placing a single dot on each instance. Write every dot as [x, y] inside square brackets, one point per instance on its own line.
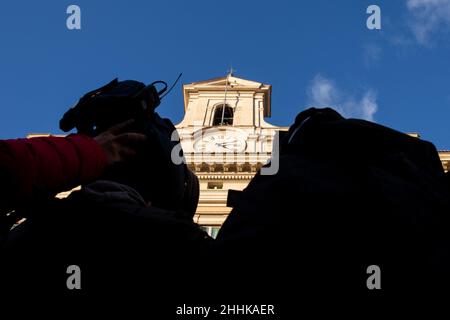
[216, 88]
[222, 81]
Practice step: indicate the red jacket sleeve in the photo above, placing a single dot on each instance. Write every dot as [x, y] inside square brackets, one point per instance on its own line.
[42, 165]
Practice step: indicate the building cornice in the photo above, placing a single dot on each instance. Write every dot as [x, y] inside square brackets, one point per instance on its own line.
[222, 176]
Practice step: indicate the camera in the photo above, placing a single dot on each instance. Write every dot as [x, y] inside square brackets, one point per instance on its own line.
[166, 184]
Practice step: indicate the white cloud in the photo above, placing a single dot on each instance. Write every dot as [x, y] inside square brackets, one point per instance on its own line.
[428, 17]
[323, 92]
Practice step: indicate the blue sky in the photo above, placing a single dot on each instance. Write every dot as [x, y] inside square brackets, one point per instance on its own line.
[312, 52]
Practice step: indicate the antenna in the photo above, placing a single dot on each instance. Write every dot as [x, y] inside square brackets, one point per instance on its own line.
[230, 74]
[231, 71]
[170, 89]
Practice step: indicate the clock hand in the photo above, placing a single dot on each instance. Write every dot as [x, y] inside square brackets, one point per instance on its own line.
[222, 145]
[230, 142]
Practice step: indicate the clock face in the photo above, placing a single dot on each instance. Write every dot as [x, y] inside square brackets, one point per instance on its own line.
[221, 141]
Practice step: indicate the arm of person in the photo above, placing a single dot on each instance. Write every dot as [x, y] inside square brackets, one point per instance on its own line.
[29, 167]
[48, 165]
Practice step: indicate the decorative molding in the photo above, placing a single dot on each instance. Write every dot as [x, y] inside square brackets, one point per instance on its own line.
[225, 176]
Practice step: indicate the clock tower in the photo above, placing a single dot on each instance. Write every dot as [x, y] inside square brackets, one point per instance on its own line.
[225, 139]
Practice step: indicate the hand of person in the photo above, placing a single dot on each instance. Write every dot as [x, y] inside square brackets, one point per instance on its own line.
[118, 144]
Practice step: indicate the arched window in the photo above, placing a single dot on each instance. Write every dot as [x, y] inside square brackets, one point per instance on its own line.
[223, 115]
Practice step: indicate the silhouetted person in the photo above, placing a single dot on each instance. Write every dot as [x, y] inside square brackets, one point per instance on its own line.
[348, 194]
[123, 231]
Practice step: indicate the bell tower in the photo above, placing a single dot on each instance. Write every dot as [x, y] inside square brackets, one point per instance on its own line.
[225, 139]
[250, 101]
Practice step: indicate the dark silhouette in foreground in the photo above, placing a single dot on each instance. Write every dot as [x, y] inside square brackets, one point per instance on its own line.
[349, 194]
